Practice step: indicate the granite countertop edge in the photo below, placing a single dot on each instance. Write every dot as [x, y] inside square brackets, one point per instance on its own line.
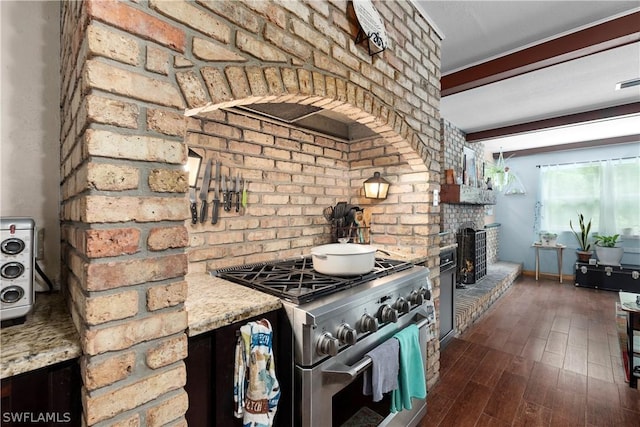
[48, 335]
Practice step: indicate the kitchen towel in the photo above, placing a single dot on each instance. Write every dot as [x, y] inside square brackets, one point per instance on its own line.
[383, 375]
[411, 379]
[256, 391]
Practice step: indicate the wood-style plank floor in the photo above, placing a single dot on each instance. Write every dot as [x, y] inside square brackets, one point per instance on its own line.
[545, 354]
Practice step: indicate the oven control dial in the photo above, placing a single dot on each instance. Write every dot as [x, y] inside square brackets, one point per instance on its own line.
[426, 293]
[402, 305]
[367, 323]
[416, 297]
[387, 314]
[346, 334]
[327, 344]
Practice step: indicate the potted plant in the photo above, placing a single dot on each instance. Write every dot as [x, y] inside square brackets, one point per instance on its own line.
[584, 251]
[607, 249]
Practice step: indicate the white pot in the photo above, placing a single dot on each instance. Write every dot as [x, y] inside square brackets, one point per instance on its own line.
[609, 256]
[343, 259]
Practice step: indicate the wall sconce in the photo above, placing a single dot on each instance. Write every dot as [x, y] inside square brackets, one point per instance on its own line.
[376, 187]
[193, 167]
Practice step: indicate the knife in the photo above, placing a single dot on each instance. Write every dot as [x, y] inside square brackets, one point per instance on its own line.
[192, 205]
[193, 166]
[216, 198]
[227, 204]
[225, 193]
[237, 192]
[204, 191]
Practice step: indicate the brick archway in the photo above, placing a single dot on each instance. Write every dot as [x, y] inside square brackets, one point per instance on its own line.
[129, 70]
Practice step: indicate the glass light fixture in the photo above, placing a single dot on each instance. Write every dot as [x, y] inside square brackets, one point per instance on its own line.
[376, 187]
[193, 167]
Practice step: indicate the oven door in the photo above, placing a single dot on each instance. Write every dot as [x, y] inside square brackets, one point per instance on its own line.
[330, 394]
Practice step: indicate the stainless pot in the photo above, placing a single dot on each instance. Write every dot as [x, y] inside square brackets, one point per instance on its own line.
[343, 259]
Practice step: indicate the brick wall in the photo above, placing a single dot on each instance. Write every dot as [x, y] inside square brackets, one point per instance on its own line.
[453, 216]
[128, 72]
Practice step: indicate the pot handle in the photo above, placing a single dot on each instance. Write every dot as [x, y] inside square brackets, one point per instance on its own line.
[321, 256]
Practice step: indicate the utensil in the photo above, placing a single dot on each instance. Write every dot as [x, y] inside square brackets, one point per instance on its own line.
[204, 191]
[328, 213]
[237, 192]
[343, 259]
[192, 205]
[228, 192]
[216, 197]
[225, 193]
[245, 195]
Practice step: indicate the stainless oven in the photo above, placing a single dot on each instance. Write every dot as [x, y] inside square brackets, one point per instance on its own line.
[334, 322]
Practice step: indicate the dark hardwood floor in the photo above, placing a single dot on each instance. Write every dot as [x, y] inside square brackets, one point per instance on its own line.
[545, 354]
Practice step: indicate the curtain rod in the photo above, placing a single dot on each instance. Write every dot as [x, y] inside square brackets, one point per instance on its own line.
[587, 161]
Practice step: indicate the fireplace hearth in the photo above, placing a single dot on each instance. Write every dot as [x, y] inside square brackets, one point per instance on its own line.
[472, 255]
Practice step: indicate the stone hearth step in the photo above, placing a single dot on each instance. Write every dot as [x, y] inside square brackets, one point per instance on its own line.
[476, 298]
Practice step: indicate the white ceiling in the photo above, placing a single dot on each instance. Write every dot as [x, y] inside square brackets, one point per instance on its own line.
[478, 31]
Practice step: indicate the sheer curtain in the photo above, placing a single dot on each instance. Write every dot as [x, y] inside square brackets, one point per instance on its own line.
[607, 192]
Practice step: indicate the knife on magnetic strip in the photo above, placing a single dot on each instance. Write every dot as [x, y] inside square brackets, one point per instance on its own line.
[216, 197]
[204, 191]
[193, 165]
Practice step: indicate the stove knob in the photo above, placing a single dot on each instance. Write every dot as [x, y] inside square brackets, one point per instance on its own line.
[426, 293]
[346, 334]
[367, 323]
[416, 297]
[327, 345]
[402, 305]
[387, 314]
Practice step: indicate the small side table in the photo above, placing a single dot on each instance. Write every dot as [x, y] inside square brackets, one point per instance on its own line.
[558, 249]
[628, 303]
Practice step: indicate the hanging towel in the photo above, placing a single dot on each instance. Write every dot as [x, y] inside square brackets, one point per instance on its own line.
[255, 390]
[383, 375]
[411, 378]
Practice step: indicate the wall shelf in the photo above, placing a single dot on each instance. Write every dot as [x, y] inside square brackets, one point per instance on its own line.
[466, 195]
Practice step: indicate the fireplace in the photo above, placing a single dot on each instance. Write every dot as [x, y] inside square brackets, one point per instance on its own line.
[472, 255]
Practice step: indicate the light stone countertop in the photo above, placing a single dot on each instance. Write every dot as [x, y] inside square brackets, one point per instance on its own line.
[213, 302]
[48, 336]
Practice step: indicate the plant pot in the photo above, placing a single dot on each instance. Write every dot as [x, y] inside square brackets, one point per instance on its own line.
[584, 256]
[609, 256]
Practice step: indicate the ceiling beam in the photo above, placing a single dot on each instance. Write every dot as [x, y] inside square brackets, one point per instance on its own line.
[570, 146]
[571, 119]
[598, 38]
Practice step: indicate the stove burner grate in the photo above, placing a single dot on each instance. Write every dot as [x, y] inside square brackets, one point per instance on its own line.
[295, 279]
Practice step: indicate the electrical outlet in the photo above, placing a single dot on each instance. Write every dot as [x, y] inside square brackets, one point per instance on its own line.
[40, 244]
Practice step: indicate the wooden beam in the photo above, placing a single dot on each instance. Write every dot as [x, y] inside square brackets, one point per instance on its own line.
[571, 146]
[571, 119]
[607, 35]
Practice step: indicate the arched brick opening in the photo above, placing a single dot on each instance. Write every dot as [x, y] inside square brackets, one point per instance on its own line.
[128, 72]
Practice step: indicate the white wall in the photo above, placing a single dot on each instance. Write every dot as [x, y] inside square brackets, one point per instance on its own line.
[29, 119]
[516, 212]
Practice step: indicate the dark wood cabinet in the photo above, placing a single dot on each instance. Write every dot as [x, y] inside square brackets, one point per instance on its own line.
[210, 365]
[45, 397]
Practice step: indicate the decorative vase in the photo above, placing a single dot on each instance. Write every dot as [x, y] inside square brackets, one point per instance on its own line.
[609, 256]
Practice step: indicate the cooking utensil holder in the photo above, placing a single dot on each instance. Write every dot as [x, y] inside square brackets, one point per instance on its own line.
[355, 234]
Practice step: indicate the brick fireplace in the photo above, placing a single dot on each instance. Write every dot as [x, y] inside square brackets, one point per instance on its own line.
[129, 70]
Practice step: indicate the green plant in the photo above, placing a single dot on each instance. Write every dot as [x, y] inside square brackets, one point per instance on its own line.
[606, 241]
[583, 237]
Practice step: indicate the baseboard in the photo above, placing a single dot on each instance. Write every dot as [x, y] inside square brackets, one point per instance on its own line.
[566, 278]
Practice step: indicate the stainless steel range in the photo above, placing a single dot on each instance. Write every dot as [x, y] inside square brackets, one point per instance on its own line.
[334, 322]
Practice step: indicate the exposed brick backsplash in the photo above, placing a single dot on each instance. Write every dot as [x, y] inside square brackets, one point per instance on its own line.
[128, 72]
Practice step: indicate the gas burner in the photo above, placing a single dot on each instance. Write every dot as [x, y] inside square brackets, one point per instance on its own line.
[296, 281]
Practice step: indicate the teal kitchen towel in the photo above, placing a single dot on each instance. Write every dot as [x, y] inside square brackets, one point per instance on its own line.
[411, 378]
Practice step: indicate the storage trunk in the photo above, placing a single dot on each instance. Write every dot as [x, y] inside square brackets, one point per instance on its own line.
[608, 277]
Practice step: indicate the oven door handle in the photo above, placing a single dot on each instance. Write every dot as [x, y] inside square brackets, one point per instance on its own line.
[339, 372]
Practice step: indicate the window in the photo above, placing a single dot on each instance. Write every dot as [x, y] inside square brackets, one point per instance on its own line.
[607, 192]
